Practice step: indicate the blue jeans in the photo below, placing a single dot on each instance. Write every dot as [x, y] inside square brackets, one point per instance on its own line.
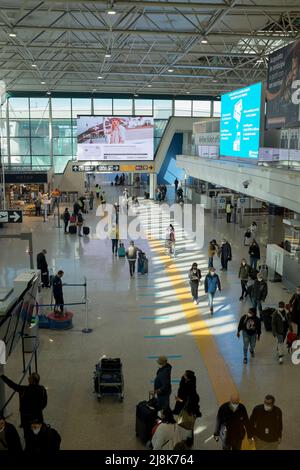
[249, 340]
[211, 299]
[253, 262]
[257, 305]
[211, 262]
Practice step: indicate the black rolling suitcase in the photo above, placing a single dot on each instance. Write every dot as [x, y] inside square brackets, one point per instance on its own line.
[146, 416]
[267, 318]
[72, 229]
[86, 230]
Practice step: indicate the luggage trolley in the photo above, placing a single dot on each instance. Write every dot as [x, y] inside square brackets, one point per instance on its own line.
[108, 378]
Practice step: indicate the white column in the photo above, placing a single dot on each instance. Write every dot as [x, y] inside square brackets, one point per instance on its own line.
[153, 184]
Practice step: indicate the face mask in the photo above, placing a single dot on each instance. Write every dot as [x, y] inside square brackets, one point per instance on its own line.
[249, 315]
[234, 406]
[212, 274]
[268, 408]
[281, 309]
[259, 280]
[36, 431]
[244, 264]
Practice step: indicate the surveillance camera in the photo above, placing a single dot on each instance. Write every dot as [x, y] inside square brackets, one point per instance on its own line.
[246, 184]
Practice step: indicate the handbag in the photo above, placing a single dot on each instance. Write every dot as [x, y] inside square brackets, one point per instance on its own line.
[186, 420]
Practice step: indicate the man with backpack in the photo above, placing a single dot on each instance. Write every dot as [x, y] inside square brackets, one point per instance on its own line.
[42, 439]
[280, 327]
[250, 326]
[131, 255]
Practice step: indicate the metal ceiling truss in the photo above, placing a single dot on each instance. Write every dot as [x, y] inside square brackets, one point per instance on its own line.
[154, 46]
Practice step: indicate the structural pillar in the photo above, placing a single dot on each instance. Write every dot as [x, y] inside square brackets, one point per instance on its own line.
[152, 184]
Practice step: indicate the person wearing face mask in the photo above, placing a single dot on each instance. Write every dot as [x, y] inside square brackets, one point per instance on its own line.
[232, 424]
[211, 284]
[194, 277]
[244, 273]
[266, 422]
[9, 437]
[254, 253]
[162, 383]
[42, 439]
[258, 293]
[295, 311]
[280, 326]
[187, 395]
[250, 326]
[226, 254]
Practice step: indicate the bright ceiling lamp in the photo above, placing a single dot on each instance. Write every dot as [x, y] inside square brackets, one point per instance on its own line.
[170, 70]
[100, 77]
[43, 83]
[149, 86]
[33, 65]
[48, 93]
[12, 35]
[111, 10]
[108, 54]
[204, 41]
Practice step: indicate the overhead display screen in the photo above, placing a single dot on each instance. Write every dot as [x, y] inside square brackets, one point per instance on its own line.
[240, 123]
[115, 138]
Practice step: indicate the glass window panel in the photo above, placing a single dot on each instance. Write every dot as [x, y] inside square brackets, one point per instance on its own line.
[18, 160]
[39, 127]
[19, 128]
[162, 109]
[40, 146]
[19, 146]
[143, 107]
[122, 107]
[60, 163]
[183, 108]
[103, 106]
[39, 108]
[62, 146]
[41, 161]
[201, 108]
[217, 109]
[81, 106]
[3, 146]
[61, 108]
[62, 128]
[19, 108]
[75, 147]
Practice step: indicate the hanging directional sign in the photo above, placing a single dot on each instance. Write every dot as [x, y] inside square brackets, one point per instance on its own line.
[11, 217]
[83, 168]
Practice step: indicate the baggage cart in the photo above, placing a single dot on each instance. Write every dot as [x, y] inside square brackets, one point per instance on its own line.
[108, 378]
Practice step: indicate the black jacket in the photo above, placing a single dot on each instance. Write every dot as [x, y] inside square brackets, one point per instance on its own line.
[57, 286]
[251, 325]
[187, 393]
[295, 309]
[259, 290]
[262, 420]
[46, 441]
[162, 381]
[280, 323]
[33, 399]
[254, 251]
[194, 277]
[236, 422]
[226, 252]
[66, 216]
[12, 438]
[41, 262]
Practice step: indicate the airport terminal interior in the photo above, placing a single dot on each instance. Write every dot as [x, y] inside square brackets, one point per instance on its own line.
[150, 135]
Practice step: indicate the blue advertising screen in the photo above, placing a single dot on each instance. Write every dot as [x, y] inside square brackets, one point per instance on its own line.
[240, 122]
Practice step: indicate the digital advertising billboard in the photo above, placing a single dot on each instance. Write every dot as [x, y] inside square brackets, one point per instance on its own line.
[283, 87]
[108, 138]
[240, 123]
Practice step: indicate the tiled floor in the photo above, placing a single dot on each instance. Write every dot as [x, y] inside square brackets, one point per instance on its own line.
[138, 319]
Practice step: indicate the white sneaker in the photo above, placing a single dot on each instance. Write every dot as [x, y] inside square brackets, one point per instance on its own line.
[195, 302]
[280, 360]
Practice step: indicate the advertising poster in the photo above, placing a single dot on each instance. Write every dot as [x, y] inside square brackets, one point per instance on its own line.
[115, 138]
[240, 123]
[283, 87]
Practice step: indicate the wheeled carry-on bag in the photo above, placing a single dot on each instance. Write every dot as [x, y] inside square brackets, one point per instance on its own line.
[72, 229]
[121, 251]
[145, 266]
[146, 416]
[86, 230]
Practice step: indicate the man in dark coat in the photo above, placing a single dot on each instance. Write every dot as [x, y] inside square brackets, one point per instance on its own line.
[9, 437]
[42, 439]
[43, 266]
[266, 422]
[226, 254]
[258, 293]
[33, 399]
[58, 292]
[162, 383]
[232, 424]
[295, 309]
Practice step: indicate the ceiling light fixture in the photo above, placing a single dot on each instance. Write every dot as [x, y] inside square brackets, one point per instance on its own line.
[204, 41]
[215, 80]
[33, 65]
[111, 10]
[12, 35]
[48, 93]
[170, 70]
[149, 86]
[188, 92]
[43, 83]
[108, 54]
[100, 77]
[136, 95]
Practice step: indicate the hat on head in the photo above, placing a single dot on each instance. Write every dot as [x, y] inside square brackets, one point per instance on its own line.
[162, 360]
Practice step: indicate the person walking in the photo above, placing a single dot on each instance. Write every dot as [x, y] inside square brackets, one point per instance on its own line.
[250, 325]
[280, 327]
[9, 437]
[213, 249]
[131, 255]
[176, 185]
[266, 423]
[97, 190]
[79, 223]
[114, 234]
[228, 212]
[42, 439]
[211, 284]
[226, 254]
[258, 293]
[170, 240]
[194, 277]
[76, 208]
[38, 205]
[187, 395]
[232, 424]
[42, 265]
[162, 383]
[66, 219]
[253, 229]
[58, 293]
[32, 398]
[91, 200]
[294, 304]
[244, 273]
[254, 253]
